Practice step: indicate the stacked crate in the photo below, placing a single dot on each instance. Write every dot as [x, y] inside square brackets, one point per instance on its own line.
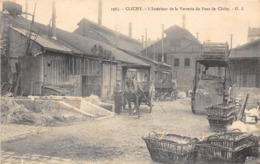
[220, 116]
[226, 148]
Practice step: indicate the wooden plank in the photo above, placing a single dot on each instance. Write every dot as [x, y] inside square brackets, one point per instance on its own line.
[52, 75]
[73, 66]
[55, 70]
[58, 74]
[88, 67]
[67, 70]
[63, 70]
[69, 67]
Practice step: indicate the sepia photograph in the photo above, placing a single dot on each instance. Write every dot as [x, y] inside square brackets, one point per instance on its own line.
[130, 81]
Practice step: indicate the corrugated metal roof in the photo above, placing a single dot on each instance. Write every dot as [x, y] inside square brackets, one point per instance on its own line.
[249, 50]
[47, 42]
[75, 41]
[120, 40]
[121, 43]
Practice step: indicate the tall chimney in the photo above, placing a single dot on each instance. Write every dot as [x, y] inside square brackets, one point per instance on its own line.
[26, 9]
[130, 30]
[183, 20]
[146, 42]
[53, 34]
[162, 43]
[231, 40]
[100, 12]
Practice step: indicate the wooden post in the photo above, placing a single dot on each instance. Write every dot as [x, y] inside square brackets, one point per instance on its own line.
[242, 110]
[84, 66]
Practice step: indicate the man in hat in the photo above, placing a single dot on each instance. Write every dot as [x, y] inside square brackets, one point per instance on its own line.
[118, 97]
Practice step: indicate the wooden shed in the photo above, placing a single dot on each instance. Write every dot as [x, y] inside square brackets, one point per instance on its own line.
[68, 63]
[245, 64]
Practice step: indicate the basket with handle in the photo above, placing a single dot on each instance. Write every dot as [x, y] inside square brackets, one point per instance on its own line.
[220, 124]
[172, 148]
[217, 154]
[220, 110]
[230, 140]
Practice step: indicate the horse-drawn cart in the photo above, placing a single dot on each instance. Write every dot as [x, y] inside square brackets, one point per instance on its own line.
[136, 86]
[165, 90]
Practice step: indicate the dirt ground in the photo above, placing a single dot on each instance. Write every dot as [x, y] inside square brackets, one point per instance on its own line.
[112, 140]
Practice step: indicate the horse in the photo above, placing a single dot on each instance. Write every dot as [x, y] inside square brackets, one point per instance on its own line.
[133, 93]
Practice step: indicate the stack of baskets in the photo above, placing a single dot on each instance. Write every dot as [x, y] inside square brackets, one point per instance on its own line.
[226, 148]
[220, 116]
[172, 148]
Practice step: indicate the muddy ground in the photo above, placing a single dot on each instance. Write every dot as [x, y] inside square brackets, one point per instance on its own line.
[112, 140]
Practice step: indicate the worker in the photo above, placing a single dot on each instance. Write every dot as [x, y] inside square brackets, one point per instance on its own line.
[151, 91]
[118, 97]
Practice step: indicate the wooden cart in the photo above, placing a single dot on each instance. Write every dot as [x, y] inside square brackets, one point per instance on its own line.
[212, 77]
[142, 74]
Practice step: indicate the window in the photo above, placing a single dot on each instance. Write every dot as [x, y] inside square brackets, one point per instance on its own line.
[187, 62]
[176, 62]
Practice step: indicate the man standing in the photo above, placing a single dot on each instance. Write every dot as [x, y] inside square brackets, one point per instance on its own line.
[151, 91]
[118, 96]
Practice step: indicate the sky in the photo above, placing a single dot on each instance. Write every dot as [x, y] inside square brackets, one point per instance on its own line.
[214, 25]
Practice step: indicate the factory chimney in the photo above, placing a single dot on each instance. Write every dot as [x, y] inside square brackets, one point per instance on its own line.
[231, 40]
[130, 29]
[53, 29]
[100, 12]
[183, 20]
[162, 43]
[26, 9]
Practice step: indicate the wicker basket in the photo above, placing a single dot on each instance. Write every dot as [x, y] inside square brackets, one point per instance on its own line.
[220, 124]
[228, 140]
[216, 154]
[166, 150]
[256, 147]
[220, 110]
